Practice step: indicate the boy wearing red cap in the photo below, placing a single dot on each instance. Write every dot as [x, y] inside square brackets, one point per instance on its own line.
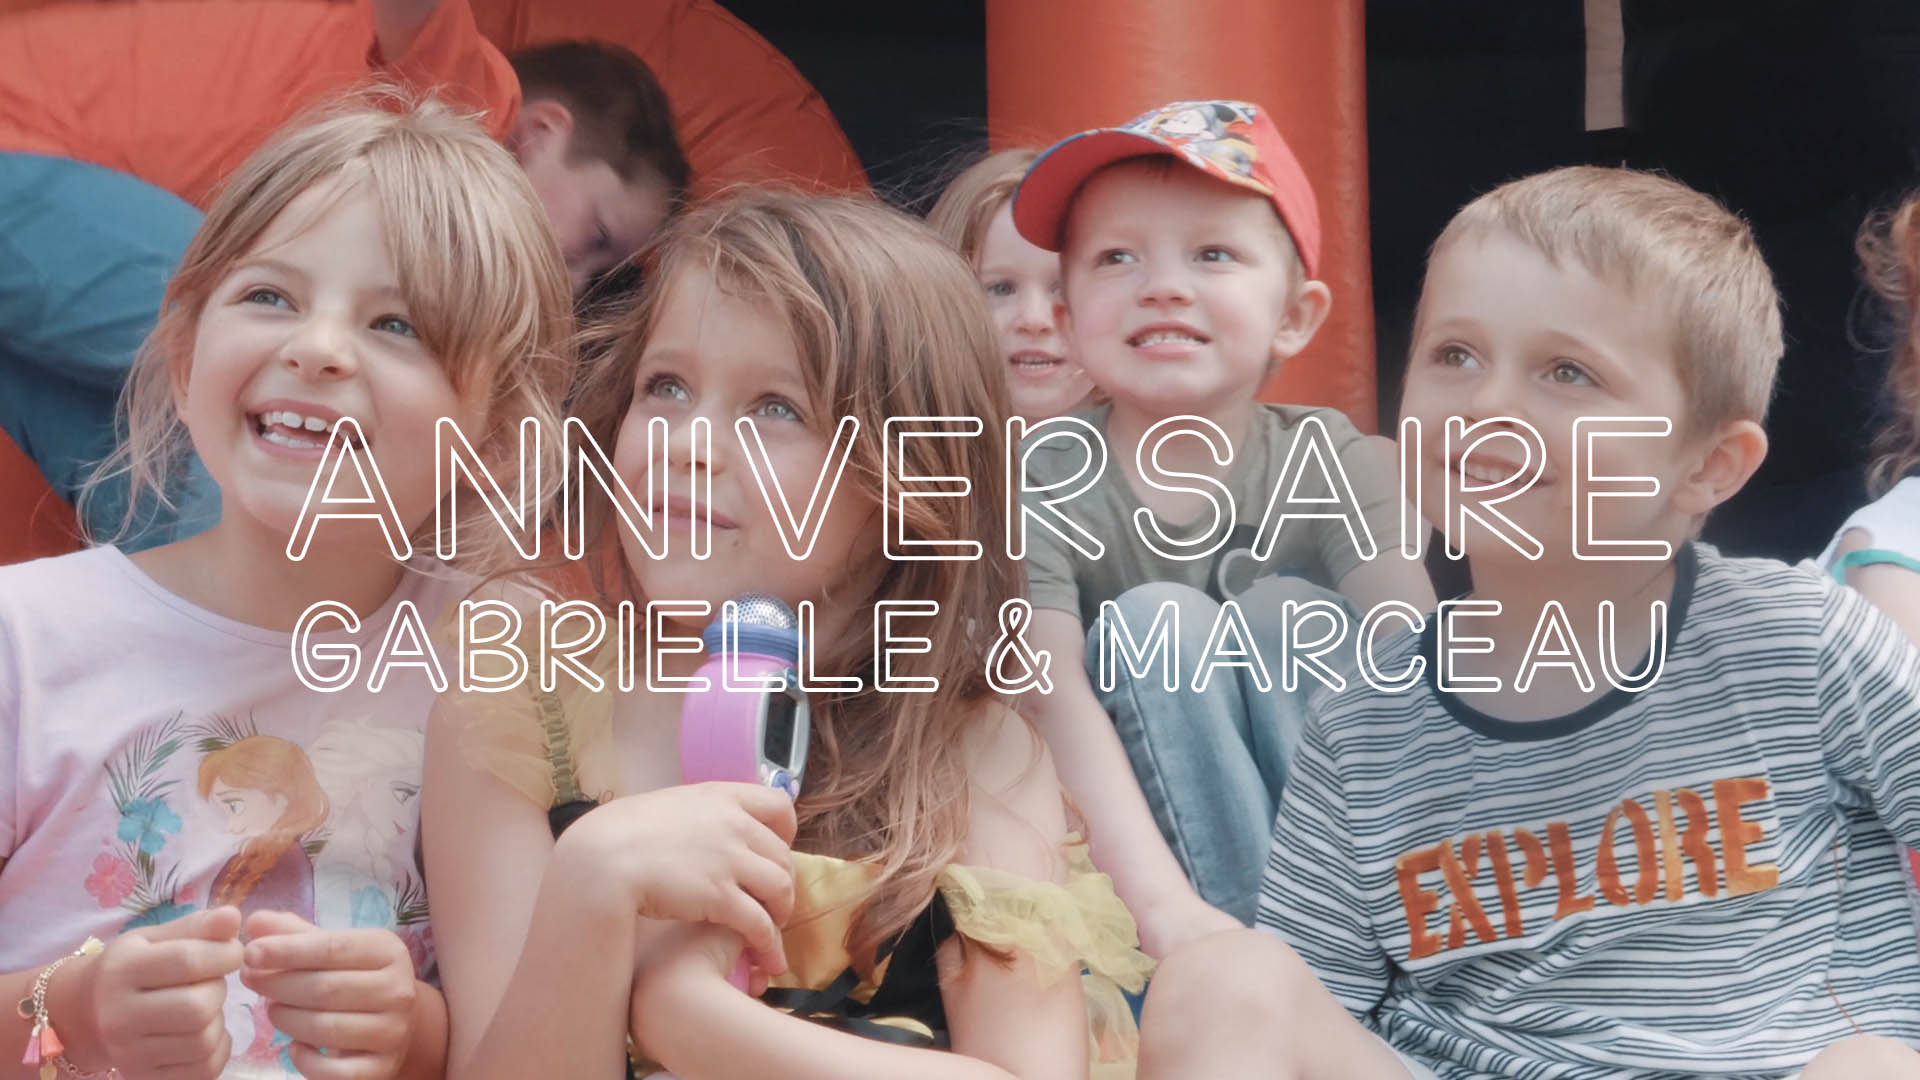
[1189, 239]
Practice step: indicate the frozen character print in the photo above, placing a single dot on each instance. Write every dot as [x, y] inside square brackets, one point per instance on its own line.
[366, 875]
[264, 791]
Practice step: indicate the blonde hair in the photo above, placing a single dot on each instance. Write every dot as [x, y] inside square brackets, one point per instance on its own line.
[966, 208]
[1669, 245]
[888, 322]
[478, 267]
[278, 767]
[1889, 248]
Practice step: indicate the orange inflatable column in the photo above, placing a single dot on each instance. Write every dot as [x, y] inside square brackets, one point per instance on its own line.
[33, 520]
[1062, 66]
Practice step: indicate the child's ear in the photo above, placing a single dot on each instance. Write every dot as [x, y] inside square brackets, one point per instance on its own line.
[538, 125]
[1302, 318]
[1732, 455]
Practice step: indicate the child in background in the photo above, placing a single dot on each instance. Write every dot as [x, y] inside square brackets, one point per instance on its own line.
[1696, 877]
[934, 897]
[392, 267]
[595, 133]
[1188, 240]
[177, 93]
[975, 216]
[1877, 551]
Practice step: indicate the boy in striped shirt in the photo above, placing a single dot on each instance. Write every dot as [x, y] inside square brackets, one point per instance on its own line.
[1535, 857]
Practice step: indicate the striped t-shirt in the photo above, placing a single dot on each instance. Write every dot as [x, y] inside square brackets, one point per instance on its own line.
[1692, 880]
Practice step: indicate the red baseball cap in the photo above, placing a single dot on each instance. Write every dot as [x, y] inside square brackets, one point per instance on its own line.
[1234, 141]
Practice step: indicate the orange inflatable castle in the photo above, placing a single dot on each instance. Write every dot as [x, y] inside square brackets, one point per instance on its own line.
[745, 113]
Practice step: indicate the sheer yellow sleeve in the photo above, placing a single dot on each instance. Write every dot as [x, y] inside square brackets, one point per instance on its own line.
[553, 747]
[1076, 926]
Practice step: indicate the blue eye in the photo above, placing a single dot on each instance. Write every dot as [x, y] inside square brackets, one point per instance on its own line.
[669, 387]
[1000, 290]
[264, 295]
[778, 409]
[1216, 255]
[394, 324]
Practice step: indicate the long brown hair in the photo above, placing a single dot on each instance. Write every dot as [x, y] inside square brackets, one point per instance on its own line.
[276, 766]
[1889, 248]
[888, 322]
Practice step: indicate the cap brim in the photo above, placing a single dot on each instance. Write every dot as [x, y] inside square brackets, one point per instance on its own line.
[1040, 204]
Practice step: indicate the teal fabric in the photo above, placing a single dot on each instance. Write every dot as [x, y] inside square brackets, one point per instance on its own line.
[85, 253]
[1871, 557]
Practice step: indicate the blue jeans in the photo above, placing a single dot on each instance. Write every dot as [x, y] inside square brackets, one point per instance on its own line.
[85, 254]
[1212, 762]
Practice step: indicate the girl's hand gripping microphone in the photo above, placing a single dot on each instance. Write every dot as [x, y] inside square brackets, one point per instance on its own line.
[753, 736]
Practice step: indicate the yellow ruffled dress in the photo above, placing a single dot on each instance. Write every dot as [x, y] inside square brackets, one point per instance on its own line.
[557, 749]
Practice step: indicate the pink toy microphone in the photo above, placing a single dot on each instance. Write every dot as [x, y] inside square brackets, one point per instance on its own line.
[752, 736]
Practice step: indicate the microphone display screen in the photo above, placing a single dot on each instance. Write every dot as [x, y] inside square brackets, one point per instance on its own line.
[778, 744]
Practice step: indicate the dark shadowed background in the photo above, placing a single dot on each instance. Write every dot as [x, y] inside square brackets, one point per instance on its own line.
[1802, 115]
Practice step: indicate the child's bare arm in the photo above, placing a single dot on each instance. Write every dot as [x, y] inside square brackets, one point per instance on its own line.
[1892, 589]
[700, 1026]
[522, 921]
[488, 850]
[1005, 1020]
[1012, 1014]
[1093, 766]
[1244, 1004]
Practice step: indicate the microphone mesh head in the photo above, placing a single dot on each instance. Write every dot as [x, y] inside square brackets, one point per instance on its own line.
[763, 625]
[759, 609]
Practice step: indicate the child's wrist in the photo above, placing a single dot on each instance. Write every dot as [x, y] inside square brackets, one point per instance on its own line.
[71, 1009]
[667, 998]
[425, 1051]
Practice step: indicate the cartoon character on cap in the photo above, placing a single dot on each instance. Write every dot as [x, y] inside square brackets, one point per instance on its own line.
[1216, 132]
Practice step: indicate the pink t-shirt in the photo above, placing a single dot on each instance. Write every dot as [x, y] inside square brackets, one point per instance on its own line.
[156, 759]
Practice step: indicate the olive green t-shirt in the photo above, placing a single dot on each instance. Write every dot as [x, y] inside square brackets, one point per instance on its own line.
[1320, 550]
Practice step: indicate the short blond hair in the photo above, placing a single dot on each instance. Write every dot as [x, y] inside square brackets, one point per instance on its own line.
[966, 208]
[1668, 244]
[478, 265]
